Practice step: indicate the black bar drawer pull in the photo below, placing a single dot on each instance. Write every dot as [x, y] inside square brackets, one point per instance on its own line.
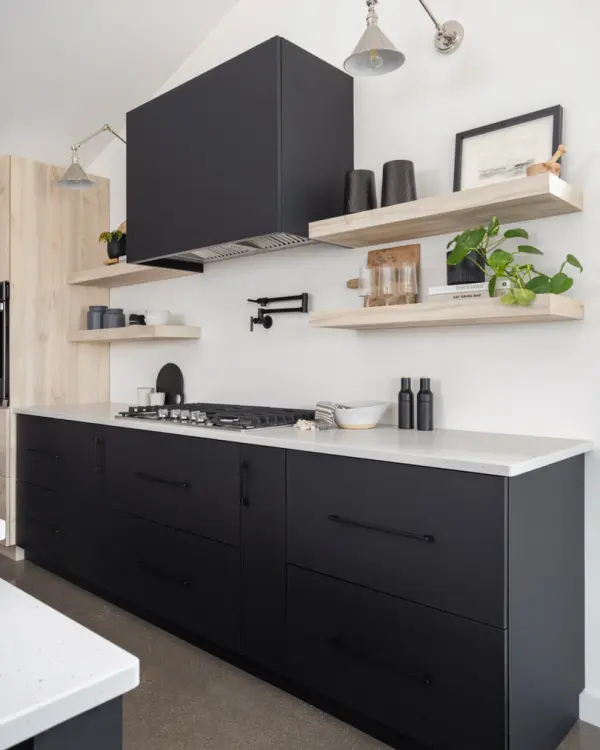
[341, 645]
[160, 480]
[245, 498]
[158, 573]
[383, 529]
[45, 453]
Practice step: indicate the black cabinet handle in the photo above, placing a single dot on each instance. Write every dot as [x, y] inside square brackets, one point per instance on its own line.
[160, 480]
[44, 525]
[162, 574]
[45, 453]
[98, 455]
[339, 643]
[245, 498]
[383, 529]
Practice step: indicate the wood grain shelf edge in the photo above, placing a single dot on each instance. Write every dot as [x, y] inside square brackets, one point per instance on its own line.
[134, 333]
[123, 274]
[521, 199]
[547, 308]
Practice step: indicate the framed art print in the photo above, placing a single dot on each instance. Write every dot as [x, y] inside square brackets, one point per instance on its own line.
[503, 151]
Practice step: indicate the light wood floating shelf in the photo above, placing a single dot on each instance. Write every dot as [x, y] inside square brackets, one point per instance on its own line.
[134, 333]
[123, 274]
[546, 308]
[517, 200]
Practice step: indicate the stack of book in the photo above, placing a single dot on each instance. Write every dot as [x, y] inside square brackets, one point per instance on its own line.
[466, 291]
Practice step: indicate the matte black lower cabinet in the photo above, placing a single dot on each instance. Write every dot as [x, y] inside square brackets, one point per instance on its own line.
[436, 609]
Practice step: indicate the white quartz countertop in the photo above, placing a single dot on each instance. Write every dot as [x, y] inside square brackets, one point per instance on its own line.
[478, 452]
[51, 668]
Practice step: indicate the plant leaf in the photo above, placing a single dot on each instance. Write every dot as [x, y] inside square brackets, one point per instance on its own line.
[492, 286]
[508, 298]
[539, 284]
[510, 233]
[560, 283]
[499, 259]
[493, 227]
[474, 237]
[530, 250]
[459, 253]
[449, 245]
[572, 260]
[524, 296]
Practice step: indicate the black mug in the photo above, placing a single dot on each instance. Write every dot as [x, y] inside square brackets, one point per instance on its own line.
[399, 184]
[360, 193]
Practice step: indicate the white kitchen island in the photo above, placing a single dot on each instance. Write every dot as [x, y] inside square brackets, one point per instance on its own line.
[61, 685]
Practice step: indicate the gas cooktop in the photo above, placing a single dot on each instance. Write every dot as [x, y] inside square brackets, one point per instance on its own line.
[221, 416]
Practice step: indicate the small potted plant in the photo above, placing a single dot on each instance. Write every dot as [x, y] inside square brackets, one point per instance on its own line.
[116, 242]
[483, 245]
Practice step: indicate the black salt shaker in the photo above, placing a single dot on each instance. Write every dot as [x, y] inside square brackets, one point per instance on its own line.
[406, 406]
[425, 406]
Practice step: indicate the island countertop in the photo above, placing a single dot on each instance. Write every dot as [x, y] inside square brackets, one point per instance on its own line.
[477, 452]
[51, 668]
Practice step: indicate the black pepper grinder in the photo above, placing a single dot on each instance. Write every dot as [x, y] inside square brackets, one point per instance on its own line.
[425, 406]
[406, 406]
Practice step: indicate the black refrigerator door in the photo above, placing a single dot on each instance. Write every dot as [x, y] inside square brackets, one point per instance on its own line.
[4, 342]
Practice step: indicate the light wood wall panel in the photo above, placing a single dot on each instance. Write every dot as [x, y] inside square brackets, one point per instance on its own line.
[4, 218]
[53, 232]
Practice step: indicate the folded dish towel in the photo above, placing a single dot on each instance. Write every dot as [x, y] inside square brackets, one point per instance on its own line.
[325, 415]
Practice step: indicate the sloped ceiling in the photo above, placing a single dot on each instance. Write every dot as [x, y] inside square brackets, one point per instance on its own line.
[69, 66]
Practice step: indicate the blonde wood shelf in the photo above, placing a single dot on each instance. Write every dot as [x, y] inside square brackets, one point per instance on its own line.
[134, 333]
[123, 274]
[517, 200]
[546, 308]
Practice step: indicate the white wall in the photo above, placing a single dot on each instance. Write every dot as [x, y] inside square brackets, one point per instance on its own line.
[517, 57]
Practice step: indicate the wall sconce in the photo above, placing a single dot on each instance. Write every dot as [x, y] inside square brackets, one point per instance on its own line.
[74, 177]
[376, 55]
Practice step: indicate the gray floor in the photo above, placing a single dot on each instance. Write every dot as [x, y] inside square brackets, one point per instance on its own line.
[190, 700]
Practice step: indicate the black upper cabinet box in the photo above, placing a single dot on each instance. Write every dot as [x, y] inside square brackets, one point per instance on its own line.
[255, 146]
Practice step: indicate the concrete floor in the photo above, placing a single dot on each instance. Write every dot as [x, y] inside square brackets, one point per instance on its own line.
[190, 700]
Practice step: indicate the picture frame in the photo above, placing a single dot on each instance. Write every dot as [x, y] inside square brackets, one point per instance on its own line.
[503, 151]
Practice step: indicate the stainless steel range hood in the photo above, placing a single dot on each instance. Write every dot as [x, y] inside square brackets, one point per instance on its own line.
[240, 160]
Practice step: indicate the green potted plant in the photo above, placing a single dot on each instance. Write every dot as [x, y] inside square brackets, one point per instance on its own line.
[116, 243]
[526, 282]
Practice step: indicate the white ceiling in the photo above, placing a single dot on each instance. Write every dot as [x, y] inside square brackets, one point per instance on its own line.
[69, 66]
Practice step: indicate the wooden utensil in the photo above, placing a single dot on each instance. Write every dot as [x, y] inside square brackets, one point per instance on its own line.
[551, 166]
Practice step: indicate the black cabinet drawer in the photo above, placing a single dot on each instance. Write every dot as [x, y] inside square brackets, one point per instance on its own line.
[76, 541]
[432, 676]
[432, 536]
[189, 581]
[182, 482]
[58, 454]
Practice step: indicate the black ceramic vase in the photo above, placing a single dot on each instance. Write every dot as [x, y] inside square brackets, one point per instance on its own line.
[465, 272]
[399, 184]
[117, 248]
[360, 193]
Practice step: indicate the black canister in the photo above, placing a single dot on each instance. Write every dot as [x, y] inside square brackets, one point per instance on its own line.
[399, 185]
[425, 406]
[406, 406]
[114, 317]
[95, 317]
[360, 193]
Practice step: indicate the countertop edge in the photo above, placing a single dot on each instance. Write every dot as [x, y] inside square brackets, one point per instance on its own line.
[260, 438]
[41, 718]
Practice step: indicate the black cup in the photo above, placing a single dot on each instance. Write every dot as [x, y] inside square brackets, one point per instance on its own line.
[360, 193]
[399, 184]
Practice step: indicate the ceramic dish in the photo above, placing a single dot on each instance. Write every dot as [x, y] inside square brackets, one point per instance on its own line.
[360, 415]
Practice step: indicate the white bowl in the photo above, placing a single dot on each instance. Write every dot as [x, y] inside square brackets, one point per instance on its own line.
[157, 317]
[360, 415]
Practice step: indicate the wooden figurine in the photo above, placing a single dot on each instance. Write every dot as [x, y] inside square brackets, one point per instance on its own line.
[551, 166]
